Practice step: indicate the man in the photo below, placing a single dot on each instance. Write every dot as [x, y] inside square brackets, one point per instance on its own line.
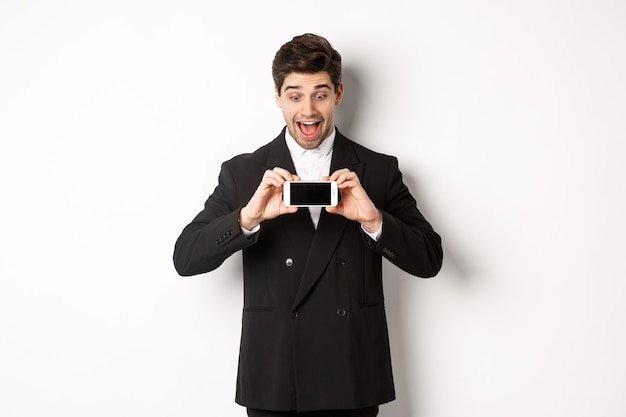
[314, 334]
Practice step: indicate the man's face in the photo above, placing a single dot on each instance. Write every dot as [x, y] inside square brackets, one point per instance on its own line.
[308, 103]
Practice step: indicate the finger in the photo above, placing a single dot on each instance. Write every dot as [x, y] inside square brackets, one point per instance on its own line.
[270, 179]
[333, 209]
[283, 173]
[288, 209]
[347, 178]
[335, 175]
[276, 177]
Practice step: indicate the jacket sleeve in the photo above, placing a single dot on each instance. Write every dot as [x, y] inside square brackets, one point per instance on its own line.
[407, 240]
[214, 234]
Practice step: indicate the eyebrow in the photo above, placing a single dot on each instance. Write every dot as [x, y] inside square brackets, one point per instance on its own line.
[297, 87]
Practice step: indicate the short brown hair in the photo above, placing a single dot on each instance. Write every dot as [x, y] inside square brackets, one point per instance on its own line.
[306, 54]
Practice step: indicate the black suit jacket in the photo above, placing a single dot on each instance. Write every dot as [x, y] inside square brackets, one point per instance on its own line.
[314, 332]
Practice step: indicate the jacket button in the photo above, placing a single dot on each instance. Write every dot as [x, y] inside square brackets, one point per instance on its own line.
[341, 312]
[288, 261]
[341, 262]
[294, 314]
[389, 253]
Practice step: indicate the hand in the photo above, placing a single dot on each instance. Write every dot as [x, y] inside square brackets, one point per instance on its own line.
[355, 203]
[267, 201]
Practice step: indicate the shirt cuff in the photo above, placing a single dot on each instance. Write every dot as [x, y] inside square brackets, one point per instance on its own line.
[248, 233]
[375, 235]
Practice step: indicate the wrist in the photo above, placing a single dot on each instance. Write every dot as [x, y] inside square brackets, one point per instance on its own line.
[246, 221]
[373, 226]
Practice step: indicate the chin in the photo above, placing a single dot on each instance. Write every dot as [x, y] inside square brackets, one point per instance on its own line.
[309, 144]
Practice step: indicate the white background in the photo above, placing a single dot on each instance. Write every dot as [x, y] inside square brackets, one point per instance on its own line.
[509, 121]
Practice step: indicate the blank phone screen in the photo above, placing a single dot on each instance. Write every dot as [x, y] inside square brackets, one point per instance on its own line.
[306, 193]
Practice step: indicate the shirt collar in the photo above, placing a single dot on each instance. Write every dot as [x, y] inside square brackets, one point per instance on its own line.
[297, 151]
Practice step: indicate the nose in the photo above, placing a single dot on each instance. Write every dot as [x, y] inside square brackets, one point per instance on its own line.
[308, 107]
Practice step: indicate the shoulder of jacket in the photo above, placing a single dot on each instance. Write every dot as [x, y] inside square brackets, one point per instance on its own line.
[260, 154]
[365, 153]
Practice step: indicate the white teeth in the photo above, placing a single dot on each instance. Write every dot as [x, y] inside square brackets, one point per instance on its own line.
[308, 123]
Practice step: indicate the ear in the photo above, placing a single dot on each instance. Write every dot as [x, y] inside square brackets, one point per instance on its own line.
[339, 94]
[276, 96]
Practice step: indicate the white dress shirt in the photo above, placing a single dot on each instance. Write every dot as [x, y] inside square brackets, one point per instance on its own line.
[312, 164]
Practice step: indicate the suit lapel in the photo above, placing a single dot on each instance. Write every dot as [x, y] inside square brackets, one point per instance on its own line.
[331, 226]
[278, 154]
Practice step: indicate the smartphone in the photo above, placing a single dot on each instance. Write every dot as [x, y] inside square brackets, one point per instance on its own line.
[311, 193]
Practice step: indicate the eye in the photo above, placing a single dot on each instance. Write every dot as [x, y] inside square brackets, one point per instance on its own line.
[320, 96]
[294, 98]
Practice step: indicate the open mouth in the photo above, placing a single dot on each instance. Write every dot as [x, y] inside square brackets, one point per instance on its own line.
[308, 130]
